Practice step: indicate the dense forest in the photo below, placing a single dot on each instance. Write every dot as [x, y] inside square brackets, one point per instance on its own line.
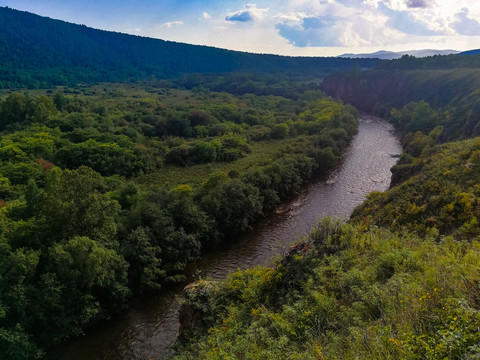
[109, 191]
[424, 86]
[400, 279]
[39, 52]
[140, 154]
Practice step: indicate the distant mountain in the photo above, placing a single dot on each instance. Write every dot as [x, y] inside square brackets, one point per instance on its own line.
[470, 52]
[38, 51]
[390, 55]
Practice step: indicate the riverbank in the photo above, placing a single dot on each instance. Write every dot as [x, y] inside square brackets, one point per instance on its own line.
[108, 192]
[400, 280]
[148, 330]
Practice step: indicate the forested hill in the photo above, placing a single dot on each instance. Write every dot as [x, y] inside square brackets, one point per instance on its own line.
[38, 52]
[445, 88]
[401, 279]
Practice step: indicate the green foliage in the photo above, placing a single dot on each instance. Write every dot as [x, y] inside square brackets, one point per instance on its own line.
[427, 97]
[416, 117]
[40, 52]
[280, 131]
[60, 270]
[400, 280]
[106, 158]
[18, 108]
[345, 292]
[97, 201]
[436, 192]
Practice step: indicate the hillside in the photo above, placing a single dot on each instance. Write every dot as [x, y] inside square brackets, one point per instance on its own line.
[41, 52]
[470, 52]
[400, 280]
[446, 85]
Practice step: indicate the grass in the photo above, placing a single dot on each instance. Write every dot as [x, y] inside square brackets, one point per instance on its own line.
[171, 176]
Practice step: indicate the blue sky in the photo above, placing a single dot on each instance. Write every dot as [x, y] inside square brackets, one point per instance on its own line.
[289, 27]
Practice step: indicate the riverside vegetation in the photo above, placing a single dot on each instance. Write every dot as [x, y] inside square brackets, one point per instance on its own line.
[110, 190]
[399, 280]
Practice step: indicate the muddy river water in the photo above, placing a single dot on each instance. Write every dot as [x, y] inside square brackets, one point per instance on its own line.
[148, 329]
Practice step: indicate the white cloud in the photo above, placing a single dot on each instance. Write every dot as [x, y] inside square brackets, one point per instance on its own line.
[328, 27]
[465, 25]
[292, 16]
[173, 24]
[377, 23]
[249, 13]
[331, 23]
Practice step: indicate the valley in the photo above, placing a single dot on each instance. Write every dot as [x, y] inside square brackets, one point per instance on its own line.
[141, 178]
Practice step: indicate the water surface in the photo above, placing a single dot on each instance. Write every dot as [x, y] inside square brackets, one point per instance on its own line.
[148, 330]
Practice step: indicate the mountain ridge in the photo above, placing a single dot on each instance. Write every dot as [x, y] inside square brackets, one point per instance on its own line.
[390, 55]
[40, 51]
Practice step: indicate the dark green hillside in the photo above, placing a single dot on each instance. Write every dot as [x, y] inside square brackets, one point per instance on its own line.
[38, 52]
[379, 90]
[429, 87]
[436, 62]
[470, 52]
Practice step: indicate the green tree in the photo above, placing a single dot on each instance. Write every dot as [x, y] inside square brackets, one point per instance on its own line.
[13, 110]
[240, 205]
[93, 280]
[280, 131]
[40, 108]
[75, 205]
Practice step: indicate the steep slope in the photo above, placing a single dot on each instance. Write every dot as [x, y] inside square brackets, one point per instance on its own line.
[399, 281]
[445, 82]
[39, 51]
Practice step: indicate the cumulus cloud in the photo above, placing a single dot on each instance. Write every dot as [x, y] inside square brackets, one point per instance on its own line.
[292, 16]
[408, 23]
[249, 13]
[465, 25]
[311, 31]
[333, 24]
[419, 4]
[243, 16]
[173, 24]
[309, 27]
[402, 4]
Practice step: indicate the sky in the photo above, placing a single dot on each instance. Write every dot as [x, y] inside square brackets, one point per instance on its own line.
[286, 27]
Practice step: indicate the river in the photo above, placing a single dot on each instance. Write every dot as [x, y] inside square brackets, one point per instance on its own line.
[148, 329]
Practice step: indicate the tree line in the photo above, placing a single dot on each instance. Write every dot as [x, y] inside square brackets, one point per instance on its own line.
[40, 52]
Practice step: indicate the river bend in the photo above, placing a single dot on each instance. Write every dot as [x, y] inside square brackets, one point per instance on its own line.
[148, 330]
